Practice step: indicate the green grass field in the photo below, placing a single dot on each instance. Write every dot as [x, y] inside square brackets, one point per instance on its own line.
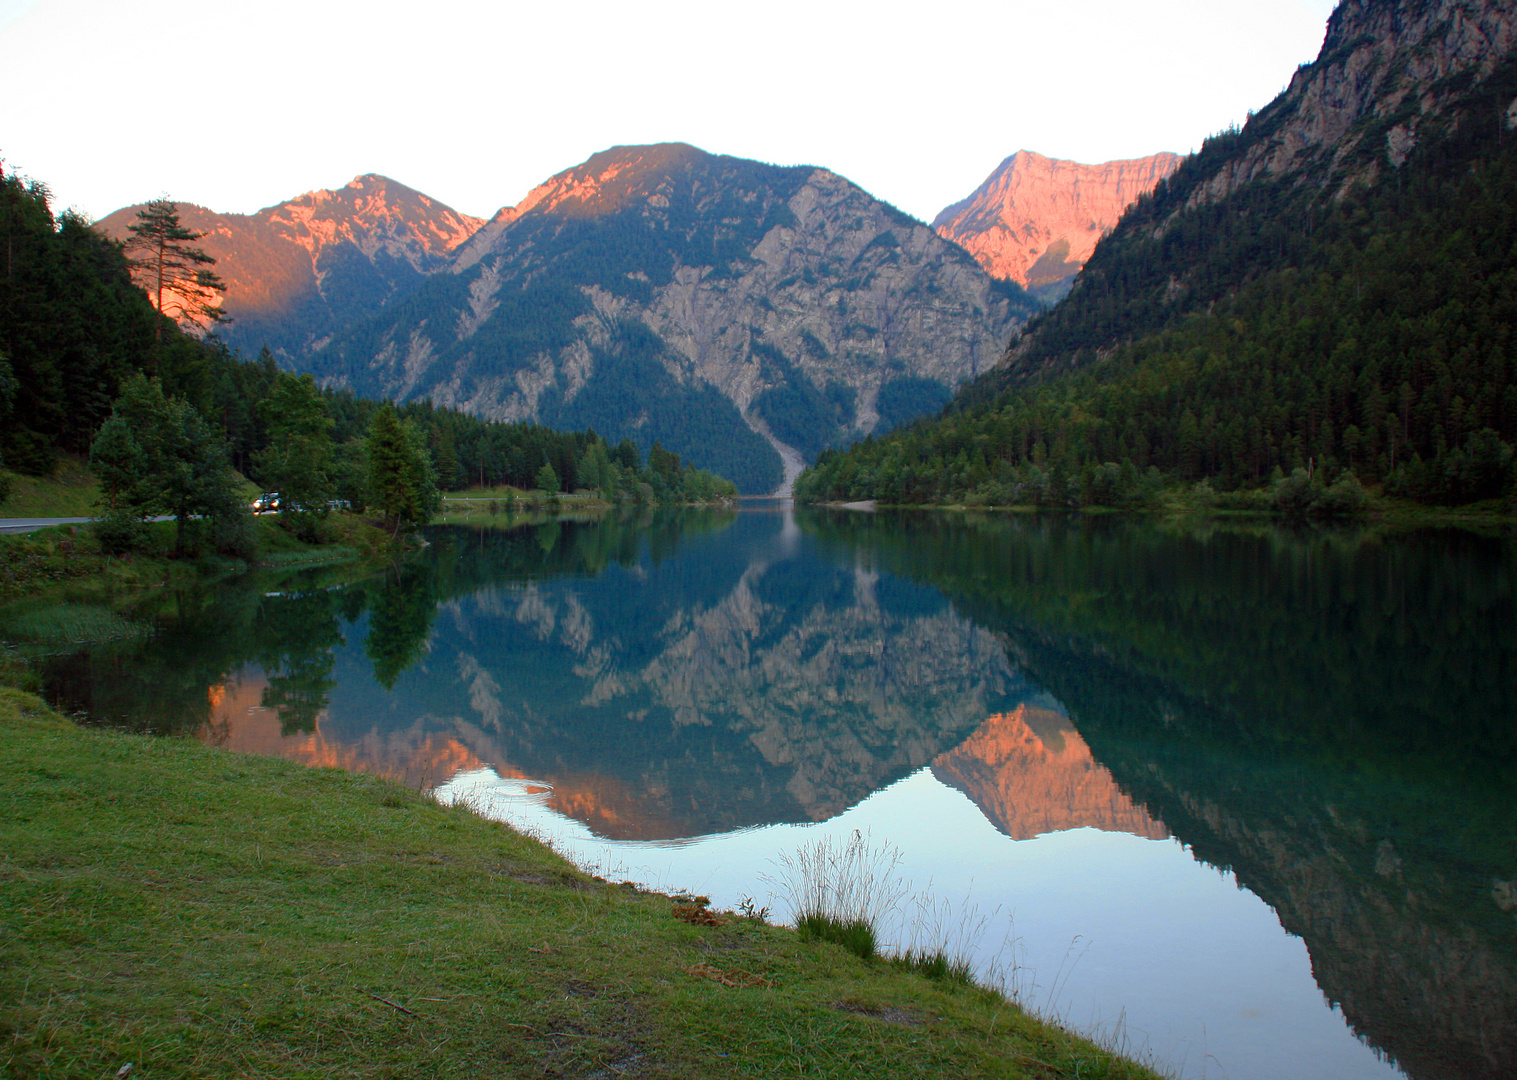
[198, 913]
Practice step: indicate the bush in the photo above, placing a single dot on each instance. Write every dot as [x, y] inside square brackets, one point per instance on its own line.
[236, 536]
[1293, 495]
[1346, 497]
[1299, 495]
[120, 532]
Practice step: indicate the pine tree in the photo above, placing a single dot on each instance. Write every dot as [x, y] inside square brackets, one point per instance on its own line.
[176, 276]
[157, 455]
[402, 485]
[297, 461]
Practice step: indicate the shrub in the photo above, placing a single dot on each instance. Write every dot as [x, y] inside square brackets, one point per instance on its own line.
[236, 535]
[119, 532]
[1346, 497]
[1293, 495]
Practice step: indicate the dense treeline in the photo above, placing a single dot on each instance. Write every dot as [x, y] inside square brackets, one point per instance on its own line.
[1239, 341]
[72, 328]
[75, 330]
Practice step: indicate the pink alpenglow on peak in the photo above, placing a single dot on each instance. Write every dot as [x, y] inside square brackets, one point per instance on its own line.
[1036, 220]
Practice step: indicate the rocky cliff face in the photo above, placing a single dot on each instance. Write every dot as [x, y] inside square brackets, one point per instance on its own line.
[297, 271]
[1400, 90]
[622, 288]
[1035, 220]
[1388, 71]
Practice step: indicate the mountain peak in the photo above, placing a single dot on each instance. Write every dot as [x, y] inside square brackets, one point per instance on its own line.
[611, 180]
[1035, 220]
[293, 269]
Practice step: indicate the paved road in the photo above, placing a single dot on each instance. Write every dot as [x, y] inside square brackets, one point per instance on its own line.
[21, 525]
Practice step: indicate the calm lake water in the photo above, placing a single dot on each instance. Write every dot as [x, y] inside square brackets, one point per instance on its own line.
[1239, 799]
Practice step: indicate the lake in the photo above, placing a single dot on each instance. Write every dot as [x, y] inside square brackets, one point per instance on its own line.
[1239, 799]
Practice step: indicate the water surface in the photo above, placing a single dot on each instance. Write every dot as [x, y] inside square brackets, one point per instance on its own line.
[1240, 799]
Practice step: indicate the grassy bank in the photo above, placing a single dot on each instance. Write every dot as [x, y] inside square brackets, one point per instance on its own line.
[32, 563]
[71, 491]
[199, 913]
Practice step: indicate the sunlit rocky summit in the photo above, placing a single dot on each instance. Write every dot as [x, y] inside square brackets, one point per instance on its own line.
[1035, 220]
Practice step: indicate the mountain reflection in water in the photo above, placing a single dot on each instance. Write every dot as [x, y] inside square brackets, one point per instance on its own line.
[1027, 771]
[1030, 773]
[1322, 718]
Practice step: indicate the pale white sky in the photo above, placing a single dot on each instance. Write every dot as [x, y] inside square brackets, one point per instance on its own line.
[238, 105]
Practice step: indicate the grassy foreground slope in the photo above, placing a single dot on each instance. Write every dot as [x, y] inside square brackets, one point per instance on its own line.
[199, 913]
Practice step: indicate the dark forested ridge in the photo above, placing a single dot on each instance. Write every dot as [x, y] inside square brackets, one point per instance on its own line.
[72, 326]
[1353, 313]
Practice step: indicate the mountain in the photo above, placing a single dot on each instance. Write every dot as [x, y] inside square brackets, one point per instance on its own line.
[1328, 289]
[303, 269]
[1036, 220]
[1404, 98]
[732, 310]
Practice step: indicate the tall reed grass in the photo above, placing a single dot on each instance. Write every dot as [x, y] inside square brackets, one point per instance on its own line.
[842, 889]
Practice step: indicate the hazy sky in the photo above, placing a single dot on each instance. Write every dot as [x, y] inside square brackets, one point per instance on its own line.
[238, 105]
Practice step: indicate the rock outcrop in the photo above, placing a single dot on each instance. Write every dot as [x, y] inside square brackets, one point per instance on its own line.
[1035, 220]
[1387, 70]
[297, 271]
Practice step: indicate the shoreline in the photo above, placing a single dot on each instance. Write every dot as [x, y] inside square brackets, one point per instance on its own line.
[182, 907]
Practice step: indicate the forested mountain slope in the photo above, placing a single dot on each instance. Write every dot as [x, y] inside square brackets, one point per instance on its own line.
[75, 330]
[661, 292]
[1333, 287]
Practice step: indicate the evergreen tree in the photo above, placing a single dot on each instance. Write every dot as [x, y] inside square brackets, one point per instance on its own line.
[546, 479]
[157, 455]
[402, 485]
[7, 393]
[297, 461]
[175, 275]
